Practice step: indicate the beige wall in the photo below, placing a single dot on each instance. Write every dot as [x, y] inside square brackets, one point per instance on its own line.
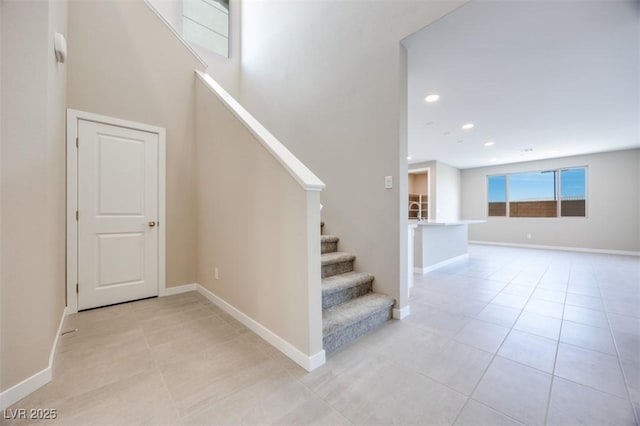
[328, 79]
[613, 205]
[227, 69]
[125, 63]
[448, 192]
[32, 153]
[252, 220]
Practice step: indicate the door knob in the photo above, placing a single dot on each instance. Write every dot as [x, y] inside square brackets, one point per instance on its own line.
[152, 224]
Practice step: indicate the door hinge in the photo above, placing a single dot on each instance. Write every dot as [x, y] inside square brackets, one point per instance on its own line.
[77, 142]
[77, 215]
[77, 288]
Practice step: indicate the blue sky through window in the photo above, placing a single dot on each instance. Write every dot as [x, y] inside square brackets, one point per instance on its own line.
[532, 186]
[573, 183]
[538, 185]
[497, 189]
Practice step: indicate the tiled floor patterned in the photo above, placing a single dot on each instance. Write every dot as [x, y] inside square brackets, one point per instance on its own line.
[509, 336]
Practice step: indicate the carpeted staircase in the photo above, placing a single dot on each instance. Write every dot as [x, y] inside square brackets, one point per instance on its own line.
[349, 307]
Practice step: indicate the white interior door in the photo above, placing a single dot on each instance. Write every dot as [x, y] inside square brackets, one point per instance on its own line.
[117, 214]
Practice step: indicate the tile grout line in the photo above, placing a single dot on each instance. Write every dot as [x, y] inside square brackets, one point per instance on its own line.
[636, 415]
[159, 371]
[502, 343]
[470, 397]
[555, 358]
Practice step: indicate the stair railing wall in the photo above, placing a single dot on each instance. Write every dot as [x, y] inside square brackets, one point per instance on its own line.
[258, 213]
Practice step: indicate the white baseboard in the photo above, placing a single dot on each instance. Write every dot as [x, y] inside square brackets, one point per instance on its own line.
[307, 362]
[402, 312]
[314, 361]
[440, 264]
[171, 291]
[560, 248]
[31, 384]
[52, 355]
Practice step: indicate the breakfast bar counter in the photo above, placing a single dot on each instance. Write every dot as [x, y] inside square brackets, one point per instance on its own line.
[437, 244]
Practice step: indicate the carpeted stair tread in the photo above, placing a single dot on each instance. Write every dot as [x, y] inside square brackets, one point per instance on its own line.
[336, 257]
[346, 314]
[328, 243]
[329, 239]
[349, 308]
[344, 281]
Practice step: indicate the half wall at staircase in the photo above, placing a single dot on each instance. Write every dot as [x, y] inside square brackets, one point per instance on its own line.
[258, 217]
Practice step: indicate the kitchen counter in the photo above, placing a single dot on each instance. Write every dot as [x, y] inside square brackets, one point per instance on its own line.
[453, 223]
[437, 244]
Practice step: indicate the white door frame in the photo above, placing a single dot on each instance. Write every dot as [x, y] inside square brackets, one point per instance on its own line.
[72, 197]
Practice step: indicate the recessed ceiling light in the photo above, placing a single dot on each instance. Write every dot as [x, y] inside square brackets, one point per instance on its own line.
[489, 143]
[494, 159]
[554, 151]
[408, 158]
[432, 98]
[467, 126]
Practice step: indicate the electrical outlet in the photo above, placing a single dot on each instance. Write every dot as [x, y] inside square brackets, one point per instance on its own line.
[216, 274]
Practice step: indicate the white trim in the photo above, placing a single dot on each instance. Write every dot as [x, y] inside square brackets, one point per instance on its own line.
[72, 196]
[52, 355]
[300, 172]
[72, 206]
[175, 33]
[419, 169]
[314, 361]
[402, 313]
[560, 248]
[313, 300]
[162, 209]
[171, 291]
[440, 264]
[307, 362]
[31, 384]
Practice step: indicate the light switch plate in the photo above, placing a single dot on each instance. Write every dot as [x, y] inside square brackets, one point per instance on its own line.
[388, 182]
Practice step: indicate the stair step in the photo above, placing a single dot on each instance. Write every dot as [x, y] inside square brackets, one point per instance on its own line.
[336, 263]
[329, 243]
[345, 287]
[346, 322]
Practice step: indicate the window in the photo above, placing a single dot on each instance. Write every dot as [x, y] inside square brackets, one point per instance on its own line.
[497, 195]
[573, 193]
[536, 194]
[206, 24]
[533, 194]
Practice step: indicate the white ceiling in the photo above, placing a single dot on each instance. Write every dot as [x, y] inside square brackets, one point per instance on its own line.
[559, 77]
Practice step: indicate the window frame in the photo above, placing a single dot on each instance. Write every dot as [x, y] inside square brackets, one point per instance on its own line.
[558, 171]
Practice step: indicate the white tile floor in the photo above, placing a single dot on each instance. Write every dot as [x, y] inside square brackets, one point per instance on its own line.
[510, 336]
[561, 330]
